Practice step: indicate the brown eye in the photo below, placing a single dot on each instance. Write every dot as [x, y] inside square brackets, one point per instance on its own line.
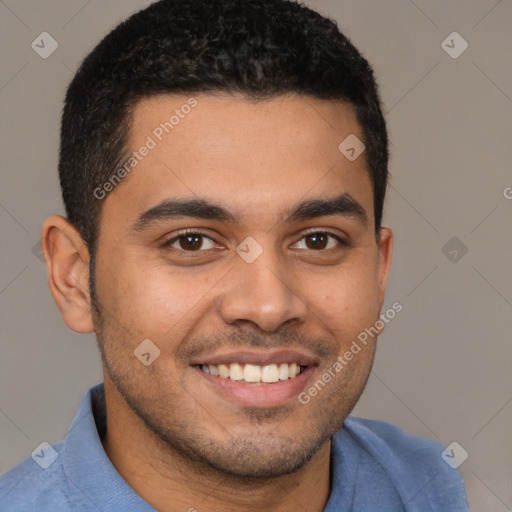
[191, 242]
[317, 241]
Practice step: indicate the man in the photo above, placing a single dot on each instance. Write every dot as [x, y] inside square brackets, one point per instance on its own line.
[223, 165]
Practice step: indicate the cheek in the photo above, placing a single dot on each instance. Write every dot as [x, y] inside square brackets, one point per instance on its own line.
[157, 301]
[346, 302]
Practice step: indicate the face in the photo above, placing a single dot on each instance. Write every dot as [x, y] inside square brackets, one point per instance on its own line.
[242, 244]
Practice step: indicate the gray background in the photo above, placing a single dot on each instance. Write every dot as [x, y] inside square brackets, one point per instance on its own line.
[443, 366]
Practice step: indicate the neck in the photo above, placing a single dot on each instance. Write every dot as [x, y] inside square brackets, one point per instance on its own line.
[170, 482]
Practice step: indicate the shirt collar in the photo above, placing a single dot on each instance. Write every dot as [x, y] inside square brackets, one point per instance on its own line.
[87, 466]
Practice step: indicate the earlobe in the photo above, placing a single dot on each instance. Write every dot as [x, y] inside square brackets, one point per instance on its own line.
[67, 262]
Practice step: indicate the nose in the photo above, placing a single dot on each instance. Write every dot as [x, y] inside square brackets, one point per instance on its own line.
[258, 293]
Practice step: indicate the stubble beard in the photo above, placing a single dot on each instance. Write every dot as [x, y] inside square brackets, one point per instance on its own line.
[252, 454]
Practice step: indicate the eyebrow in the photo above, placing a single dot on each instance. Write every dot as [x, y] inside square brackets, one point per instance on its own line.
[343, 205]
[175, 208]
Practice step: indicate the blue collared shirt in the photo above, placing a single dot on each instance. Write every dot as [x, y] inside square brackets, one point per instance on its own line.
[376, 467]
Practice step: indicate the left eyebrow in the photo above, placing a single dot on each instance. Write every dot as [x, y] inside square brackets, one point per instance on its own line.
[344, 205]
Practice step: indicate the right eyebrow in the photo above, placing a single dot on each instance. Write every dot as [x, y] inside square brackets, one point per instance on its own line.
[173, 208]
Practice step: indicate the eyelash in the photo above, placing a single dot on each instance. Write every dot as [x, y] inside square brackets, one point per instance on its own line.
[168, 244]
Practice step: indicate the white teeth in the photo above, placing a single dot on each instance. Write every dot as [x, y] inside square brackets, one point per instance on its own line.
[270, 373]
[236, 372]
[253, 372]
[224, 371]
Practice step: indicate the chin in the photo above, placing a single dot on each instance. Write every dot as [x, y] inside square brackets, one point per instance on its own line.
[247, 461]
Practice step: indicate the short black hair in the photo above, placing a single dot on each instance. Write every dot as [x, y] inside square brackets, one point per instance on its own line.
[258, 48]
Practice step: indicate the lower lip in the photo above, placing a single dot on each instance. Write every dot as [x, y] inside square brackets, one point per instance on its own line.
[258, 395]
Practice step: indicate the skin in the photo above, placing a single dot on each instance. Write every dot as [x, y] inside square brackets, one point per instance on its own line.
[173, 437]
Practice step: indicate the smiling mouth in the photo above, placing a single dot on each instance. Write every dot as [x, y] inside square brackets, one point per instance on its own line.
[252, 373]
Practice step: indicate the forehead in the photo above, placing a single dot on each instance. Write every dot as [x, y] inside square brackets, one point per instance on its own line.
[256, 156]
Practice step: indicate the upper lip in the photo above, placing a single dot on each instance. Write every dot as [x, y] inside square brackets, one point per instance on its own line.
[258, 357]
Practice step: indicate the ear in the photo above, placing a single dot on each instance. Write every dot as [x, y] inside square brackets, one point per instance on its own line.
[385, 245]
[67, 262]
